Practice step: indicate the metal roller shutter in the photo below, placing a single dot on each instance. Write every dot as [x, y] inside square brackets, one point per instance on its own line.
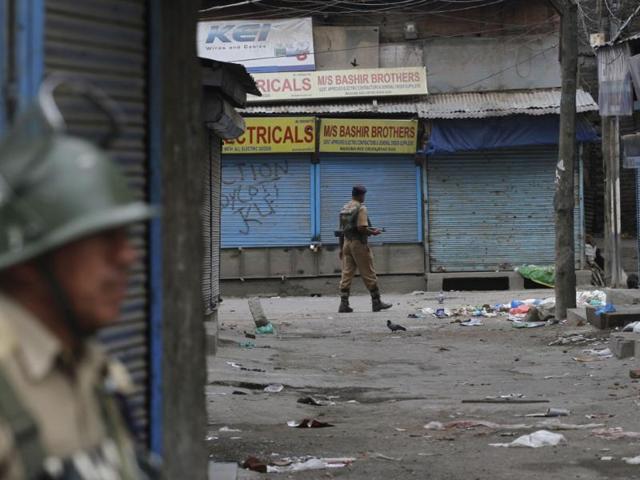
[104, 42]
[216, 190]
[492, 210]
[638, 216]
[211, 227]
[392, 194]
[266, 200]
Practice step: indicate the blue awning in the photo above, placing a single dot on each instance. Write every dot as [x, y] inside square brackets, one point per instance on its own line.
[449, 136]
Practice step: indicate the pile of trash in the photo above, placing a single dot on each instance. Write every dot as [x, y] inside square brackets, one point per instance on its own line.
[528, 313]
[486, 311]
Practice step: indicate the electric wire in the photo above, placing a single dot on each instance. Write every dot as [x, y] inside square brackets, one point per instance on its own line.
[626, 23]
[537, 38]
[443, 13]
[278, 10]
[229, 5]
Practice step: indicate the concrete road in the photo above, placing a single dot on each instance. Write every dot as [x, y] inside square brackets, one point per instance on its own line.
[385, 387]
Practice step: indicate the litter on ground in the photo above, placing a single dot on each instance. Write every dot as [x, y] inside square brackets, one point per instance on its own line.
[541, 438]
[614, 433]
[312, 464]
[594, 355]
[229, 430]
[274, 388]
[472, 322]
[308, 423]
[553, 425]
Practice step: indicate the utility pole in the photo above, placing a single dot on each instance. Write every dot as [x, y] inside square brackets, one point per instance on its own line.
[612, 215]
[564, 200]
[611, 165]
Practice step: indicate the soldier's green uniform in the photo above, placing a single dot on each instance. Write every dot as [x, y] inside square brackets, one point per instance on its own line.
[60, 415]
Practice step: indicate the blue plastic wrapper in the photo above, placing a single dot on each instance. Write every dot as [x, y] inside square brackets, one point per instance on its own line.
[608, 308]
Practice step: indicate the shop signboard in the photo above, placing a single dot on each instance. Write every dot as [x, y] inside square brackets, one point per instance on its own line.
[349, 135]
[325, 84]
[259, 45]
[274, 135]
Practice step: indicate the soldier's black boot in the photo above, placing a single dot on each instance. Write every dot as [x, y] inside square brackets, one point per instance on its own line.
[344, 303]
[377, 304]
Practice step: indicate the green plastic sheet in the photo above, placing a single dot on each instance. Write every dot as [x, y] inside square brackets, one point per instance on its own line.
[542, 275]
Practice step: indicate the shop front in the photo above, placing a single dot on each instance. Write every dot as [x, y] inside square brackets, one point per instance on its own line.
[281, 194]
[491, 185]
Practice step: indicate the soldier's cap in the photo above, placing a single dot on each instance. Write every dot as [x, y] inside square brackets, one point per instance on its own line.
[358, 190]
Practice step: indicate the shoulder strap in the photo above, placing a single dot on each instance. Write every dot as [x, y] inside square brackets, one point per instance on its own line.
[354, 215]
[25, 430]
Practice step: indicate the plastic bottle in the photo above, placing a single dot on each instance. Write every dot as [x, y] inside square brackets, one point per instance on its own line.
[441, 298]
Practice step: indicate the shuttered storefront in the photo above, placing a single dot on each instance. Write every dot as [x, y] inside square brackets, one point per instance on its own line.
[104, 42]
[393, 190]
[490, 210]
[266, 200]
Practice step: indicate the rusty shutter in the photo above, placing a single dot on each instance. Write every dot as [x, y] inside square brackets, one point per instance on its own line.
[104, 42]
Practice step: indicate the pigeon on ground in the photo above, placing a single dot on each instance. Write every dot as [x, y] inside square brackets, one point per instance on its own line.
[395, 328]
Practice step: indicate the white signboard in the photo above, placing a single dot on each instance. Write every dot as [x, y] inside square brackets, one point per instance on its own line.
[259, 45]
[362, 82]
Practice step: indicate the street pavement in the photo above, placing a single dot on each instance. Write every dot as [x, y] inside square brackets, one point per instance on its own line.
[384, 387]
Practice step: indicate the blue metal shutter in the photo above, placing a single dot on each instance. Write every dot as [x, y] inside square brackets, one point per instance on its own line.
[104, 42]
[266, 200]
[391, 194]
[493, 209]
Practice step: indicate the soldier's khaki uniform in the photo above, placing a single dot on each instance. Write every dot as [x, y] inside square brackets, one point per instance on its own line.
[63, 415]
[356, 253]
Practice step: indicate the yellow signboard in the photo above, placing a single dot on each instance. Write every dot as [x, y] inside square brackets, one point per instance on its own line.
[274, 135]
[321, 84]
[344, 135]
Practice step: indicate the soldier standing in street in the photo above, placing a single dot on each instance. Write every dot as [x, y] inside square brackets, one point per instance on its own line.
[355, 253]
[65, 256]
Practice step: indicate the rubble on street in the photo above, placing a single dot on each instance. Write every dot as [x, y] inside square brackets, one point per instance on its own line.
[402, 403]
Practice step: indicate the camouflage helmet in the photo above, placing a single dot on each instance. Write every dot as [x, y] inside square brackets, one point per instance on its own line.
[56, 188]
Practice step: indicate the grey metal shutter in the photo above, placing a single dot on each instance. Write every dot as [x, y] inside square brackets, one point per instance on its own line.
[392, 194]
[638, 216]
[216, 190]
[211, 227]
[104, 42]
[493, 209]
[266, 200]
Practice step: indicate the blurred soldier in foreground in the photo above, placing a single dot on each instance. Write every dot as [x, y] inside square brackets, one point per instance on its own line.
[355, 254]
[65, 255]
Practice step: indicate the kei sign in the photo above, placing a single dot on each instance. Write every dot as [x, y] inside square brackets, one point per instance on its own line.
[259, 45]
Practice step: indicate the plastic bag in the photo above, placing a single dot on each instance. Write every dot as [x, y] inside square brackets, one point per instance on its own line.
[266, 330]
